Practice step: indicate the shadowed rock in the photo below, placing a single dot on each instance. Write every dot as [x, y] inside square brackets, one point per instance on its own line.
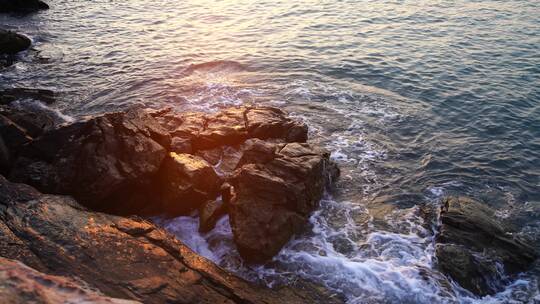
[476, 250]
[275, 196]
[22, 6]
[209, 214]
[22, 284]
[9, 95]
[11, 43]
[185, 182]
[97, 160]
[122, 257]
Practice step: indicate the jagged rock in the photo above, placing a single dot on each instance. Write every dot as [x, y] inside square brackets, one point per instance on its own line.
[22, 284]
[33, 121]
[227, 127]
[11, 43]
[472, 243]
[121, 163]
[22, 6]
[99, 160]
[9, 95]
[269, 122]
[125, 258]
[185, 182]
[275, 197]
[209, 213]
[181, 145]
[231, 126]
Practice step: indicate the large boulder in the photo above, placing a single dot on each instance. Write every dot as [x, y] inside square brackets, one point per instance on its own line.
[127, 258]
[22, 6]
[186, 182]
[477, 250]
[99, 160]
[11, 43]
[22, 284]
[274, 196]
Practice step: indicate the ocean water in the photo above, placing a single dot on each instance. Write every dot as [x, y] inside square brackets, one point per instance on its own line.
[415, 99]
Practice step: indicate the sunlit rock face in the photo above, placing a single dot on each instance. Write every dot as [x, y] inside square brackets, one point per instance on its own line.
[185, 182]
[476, 250]
[22, 284]
[127, 258]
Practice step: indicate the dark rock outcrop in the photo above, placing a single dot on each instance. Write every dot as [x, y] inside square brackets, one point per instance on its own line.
[22, 284]
[11, 43]
[185, 182]
[209, 213]
[122, 257]
[22, 6]
[122, 163]
[9, 95]
[275, 194]
[99, 160]
[476, 250]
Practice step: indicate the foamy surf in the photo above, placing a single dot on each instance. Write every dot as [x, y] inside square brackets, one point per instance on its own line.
[352, 259]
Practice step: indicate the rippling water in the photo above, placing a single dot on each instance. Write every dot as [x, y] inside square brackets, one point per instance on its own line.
[415, 99]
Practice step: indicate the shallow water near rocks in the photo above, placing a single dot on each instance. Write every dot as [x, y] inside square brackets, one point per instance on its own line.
[416, 100]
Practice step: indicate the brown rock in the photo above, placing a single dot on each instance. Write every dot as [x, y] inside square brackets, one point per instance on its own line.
[470, 243]
[22, 284]
[186, 182]
[274, 199]
[121, 257]
[209, 213]
[97, 160]
[267, 122]
[227, 127]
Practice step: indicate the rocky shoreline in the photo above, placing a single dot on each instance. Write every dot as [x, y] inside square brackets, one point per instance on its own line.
[75, 199]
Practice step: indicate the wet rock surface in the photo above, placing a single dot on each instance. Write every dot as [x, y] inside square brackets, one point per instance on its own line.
[275, 194]
[22, 284]
[126, 258]
[98, 160]
[476, 250]
[129, 163]
[186, 181]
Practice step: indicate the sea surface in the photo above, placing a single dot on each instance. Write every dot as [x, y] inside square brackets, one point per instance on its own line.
[415, 99]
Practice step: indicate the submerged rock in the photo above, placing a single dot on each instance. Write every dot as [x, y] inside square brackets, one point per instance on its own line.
[125, 258]
[11, 43]
[22, 6]
[275, 196]
[9, 95]
[476, 250]
[22, 284]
